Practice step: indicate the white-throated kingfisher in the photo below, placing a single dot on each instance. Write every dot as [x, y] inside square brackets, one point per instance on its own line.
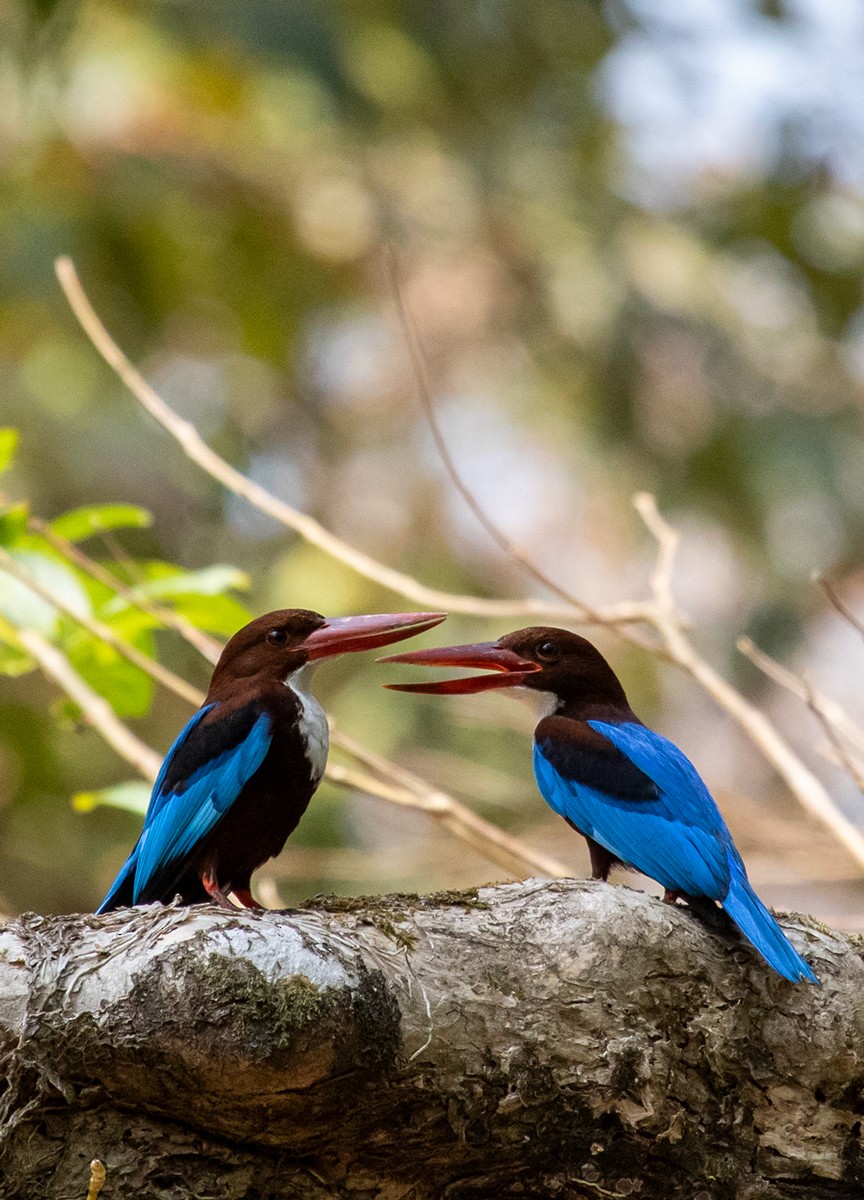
[634, 796]
[239, 776]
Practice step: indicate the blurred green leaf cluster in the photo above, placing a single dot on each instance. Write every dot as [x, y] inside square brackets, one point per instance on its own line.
[202, 597]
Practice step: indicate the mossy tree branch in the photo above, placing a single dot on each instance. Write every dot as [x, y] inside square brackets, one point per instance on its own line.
[536, 1039]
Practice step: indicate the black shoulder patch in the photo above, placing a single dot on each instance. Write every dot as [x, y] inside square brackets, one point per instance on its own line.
[580, 753]
[216, 733]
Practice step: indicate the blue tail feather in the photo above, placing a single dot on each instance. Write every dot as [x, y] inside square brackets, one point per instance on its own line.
[761, 930]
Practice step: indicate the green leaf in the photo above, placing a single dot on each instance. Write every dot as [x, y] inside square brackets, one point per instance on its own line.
[133, 797]
[13, 523]
[24, 609]
[211, 581]
[14, 659]
[132, 624]
[221, 616]
[67, 713]
[127, 688]
[199, 596]
[8, 446]
[84, 522]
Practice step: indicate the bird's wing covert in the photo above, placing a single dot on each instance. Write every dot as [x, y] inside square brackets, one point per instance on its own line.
[676, 837]
[186, 807]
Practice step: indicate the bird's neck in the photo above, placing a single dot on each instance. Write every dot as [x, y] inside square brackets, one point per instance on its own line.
[608, 711]
[312, 727]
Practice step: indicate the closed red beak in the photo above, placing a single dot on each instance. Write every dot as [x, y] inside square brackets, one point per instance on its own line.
[342, 635]
[510, 669]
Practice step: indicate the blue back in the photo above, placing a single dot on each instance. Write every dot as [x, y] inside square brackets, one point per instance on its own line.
[679, 838]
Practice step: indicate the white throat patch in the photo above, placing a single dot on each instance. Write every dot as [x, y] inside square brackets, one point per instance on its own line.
[542, 704]
[313, 728]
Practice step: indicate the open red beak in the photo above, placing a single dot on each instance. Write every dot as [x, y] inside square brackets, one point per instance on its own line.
[510, 669]
[342, 635]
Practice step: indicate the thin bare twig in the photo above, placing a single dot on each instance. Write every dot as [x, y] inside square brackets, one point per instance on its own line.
[848, 761]
[207, 646]
[174, 683]
[799, 687]
[96, 712]
[843, 609]
[415, 792]
[311, 530]
[487, 839]
[835, 721]
[424, 393]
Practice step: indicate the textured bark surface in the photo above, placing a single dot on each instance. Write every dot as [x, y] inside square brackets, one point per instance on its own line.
[529, 1040]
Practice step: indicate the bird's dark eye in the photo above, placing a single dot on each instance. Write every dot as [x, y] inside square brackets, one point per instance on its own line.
[277, 637]
[548, 651]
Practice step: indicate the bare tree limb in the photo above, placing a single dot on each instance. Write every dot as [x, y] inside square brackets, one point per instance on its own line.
[518, 1043]
[96, 712]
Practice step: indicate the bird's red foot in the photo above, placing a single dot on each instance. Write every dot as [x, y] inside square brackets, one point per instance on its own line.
[215, 892]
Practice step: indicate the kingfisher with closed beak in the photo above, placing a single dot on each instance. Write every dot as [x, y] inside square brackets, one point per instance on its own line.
[634, 796]
[240, 774]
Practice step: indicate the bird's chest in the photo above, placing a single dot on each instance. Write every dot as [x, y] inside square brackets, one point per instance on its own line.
[274, 799]
[298, 752]
[313, 733]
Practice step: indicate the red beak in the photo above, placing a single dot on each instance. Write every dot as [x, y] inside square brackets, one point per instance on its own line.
[342, 635]
[511, 669]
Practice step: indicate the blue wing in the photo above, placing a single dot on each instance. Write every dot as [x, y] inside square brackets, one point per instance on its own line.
[186, 806]
[678, 837]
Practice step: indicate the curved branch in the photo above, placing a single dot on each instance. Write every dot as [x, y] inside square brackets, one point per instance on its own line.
[196, 449]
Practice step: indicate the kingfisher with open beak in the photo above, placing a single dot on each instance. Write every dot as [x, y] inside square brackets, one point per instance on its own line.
[240, 774]
[634, 796]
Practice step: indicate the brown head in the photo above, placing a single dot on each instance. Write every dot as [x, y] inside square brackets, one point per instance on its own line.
[542, 658]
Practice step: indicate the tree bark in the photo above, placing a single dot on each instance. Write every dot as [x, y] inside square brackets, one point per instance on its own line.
[537, 1039]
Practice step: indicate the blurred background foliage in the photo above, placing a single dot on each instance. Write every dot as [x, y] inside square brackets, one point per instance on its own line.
[632, 236]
